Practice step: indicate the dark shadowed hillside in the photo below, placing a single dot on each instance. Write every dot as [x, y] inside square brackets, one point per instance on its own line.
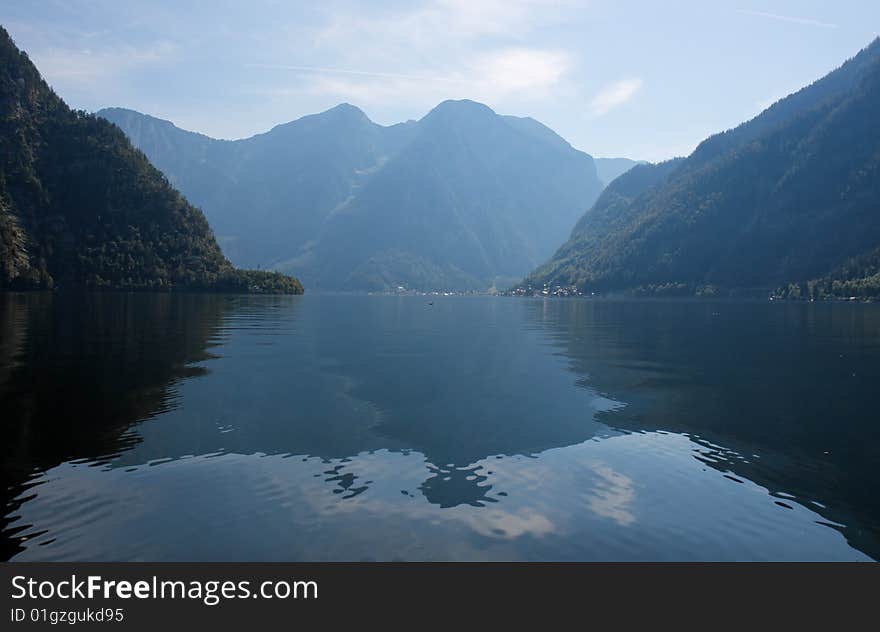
[789, 196]
[81, 207]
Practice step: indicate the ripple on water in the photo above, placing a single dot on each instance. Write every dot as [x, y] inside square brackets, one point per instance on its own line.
[632, 496]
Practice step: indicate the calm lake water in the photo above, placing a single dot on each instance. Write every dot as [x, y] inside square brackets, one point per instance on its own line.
[188, 427]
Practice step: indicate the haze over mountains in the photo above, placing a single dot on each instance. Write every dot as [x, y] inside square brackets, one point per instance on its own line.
[462, 199]
[790, 196]
[81, 207]
[609, 169]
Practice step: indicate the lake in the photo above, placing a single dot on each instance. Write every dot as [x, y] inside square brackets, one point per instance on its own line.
[165, 427]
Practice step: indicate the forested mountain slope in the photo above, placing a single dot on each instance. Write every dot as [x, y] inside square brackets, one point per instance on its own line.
[81, 207]
[789, 196]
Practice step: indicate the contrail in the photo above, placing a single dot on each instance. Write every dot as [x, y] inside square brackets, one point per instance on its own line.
[788, 18]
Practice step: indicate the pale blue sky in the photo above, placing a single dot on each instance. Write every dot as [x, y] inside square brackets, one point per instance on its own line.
[616, 78]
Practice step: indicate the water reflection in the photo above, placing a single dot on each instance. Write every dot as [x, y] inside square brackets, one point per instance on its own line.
[628, 497]
[397, 374]
[78, 370]
[352, 427]
[789, 390]
[451, 486]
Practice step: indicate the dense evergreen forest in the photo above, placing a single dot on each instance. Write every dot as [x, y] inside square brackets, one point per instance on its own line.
[857, 278]
[81, 207]
[787, 203]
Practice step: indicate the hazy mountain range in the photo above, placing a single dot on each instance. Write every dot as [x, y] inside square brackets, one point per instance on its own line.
[462, 199]
[788, 197]
[79, 206]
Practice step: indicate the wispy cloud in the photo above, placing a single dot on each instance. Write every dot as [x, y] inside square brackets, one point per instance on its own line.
[614, 95]
[87, 67]
[358, 73]
[412, 56]
[521, 70]
[789, 18]
[524, 73]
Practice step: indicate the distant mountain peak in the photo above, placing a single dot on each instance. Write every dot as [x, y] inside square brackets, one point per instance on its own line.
[462, 104]
[459, 109]
[345, 109]
[117, 112]
[462, 199]
[137, 125]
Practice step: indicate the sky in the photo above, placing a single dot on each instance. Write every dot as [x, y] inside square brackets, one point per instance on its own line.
[643, 79]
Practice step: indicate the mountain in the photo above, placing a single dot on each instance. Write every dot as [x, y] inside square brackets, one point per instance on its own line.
[268, 195]
[462, 199]
[857, 277]
[609, 169]
[792, 195]
[81, 207]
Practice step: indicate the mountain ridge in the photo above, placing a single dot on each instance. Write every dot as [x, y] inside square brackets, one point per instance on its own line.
[473, 191]
[784, 197]
[81, 207]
